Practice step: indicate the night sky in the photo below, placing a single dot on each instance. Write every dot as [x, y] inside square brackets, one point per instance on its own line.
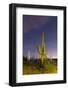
[33, 26]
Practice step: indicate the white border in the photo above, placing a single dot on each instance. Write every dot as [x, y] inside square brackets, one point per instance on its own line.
[19, 45]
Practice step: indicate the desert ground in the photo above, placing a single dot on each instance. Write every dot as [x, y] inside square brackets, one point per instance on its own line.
[34, 66]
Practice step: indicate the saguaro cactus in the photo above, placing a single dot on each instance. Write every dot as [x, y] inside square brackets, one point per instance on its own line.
[42, 51]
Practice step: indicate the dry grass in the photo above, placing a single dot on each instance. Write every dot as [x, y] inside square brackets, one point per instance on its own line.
[36, 68]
